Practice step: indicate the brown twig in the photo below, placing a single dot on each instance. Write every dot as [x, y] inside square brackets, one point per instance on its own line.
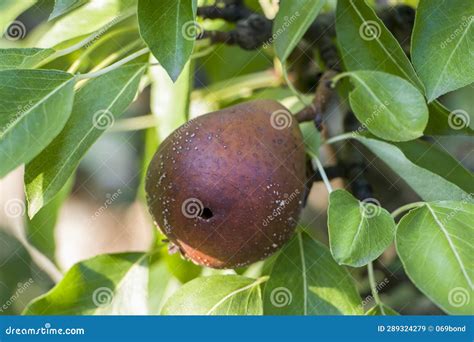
[321, 98]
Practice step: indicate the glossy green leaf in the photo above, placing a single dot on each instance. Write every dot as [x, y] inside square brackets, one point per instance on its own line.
[358, 231]
[305, 280]
[93, 16]
[35, 106]
[442, 122]
[91, 116]
[107, 284]
[291, 23]
[428, 156]
[366, 44]
[389, 106]
[217, 295]
[381, 310]
[40, 230]
[22, 58]
[10, 10]
[62, 7]
[428, 185]
[435, 245]
[443, 45]
[169, 29]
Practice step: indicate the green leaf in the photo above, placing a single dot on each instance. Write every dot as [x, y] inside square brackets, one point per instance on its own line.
[107, 284]
[91, 115]
[40, 230]
[62, 7]
[217, 295]
[434, 243]
[10, 10]
[442, 45]
[291, 23]
[428, 156]
[428, 185]
[358, 231]
[366, 44]
[443, 121]
[35, 106]
[311, 137]
[381, 310]
[168, 28]
[305, 280]
[93, 16]
[183, 270]
[22, 58]
[390, 107]
[161, 285]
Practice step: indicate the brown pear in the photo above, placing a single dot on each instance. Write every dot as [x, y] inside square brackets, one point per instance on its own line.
[226, 188]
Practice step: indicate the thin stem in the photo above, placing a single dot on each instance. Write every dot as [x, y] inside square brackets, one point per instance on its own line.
[337, 77]
[323, 174]
[340, 137]
[373, 286]
[134, 124]
[406, 207]
[241, 86]
[115, 65]
[203, 52]
[292, 87]
[41, 260]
